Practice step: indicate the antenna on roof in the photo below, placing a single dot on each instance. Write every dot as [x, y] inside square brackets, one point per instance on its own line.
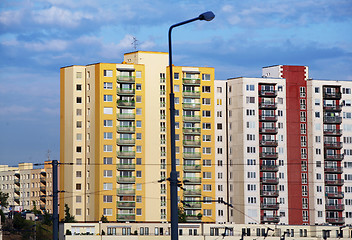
[48, 154]
[134, 43]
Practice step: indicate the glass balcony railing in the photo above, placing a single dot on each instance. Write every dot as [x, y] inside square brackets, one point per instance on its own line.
[267, 180]
[123, 191]
[334, 194]
[125, 91]
[267, 93]
[268, 155]
[271, 193]
[125, 179]
[335, 108]
[192, 180]
[268, 206]
[191, 118]
[332, 119]
[125, 79]
[191, 81]
[333, 132]
[268, 118]
[192, 94]
[334, 157]
[273, 219]
[192, 192]
[267, 105]
[125, 141]
[126, 166]
[268, 130]
[126, 204]
[332, 95]
[335, 220]
[193, 143]
[331, 169]
[335, 182]
[126, 217]
[269, 168]
[191, 106]
[336, 207]
[126, 103]
[192, 168]
[125, 116]
[194, 155]
[192, 130]
[336, 145]
[268, 143]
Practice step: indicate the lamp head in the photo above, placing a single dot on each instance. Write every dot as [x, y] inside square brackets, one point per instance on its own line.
[207, 16]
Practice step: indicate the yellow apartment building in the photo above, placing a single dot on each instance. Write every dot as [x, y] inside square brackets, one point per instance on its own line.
[114, 139]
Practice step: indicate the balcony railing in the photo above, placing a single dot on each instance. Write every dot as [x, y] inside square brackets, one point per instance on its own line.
[192, 180]
[194, 155]
[192, 192]
[43, 189]
[126, 154]
[125, 79]
[191, 106]
[269, 168]
[337, 207]
[273, 219]
[193, 218]
[17, 181]
[123, 179]
[268, 143]
[266, 118]
[126, 217]
[329, 169]
[333, 132]
[125, 116]
[267, 105]
[191, 81]
[267, 206]
[191, 118]
[126, 166]
[335, 119]
[335, 157]
[192, 130]
[268, 130]
[126, 103]
[192, 205]
[336, 182]
[17, 190]
[191, 168]
[268, 155]
[125, 91]
[267, 93]
[194, 143]
[192, 94]
[266, 193]
[337, 145]
[123, 191]
[335, 108]
[265, 180]
[332, 95]
[16, 199]
[334, 194]
[338, 220]
[126, 204]
[125, 141]
[42, 206]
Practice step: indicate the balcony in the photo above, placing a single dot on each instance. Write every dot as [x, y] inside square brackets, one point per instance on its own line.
[42, 206]
[125, 116]
[126, 154]
[192, 180]
[268, 118]
[268, 143]
[126, 103]
[191, 81]
[336, 182]
[17, 181]
[193, 218]
[334, 194]
[43, 180]
[126, 166]
[191, 118]
[126, 217]
[265, 180]
[125, 141]
[191, 94]
[43, 174]
[267, 93]
[191, 106]
[192, 143]
[269, 168]
[16, 199]
[338, 220]
[195, 155]
[335, 157]
[266, 206]
[337, 207]
[43, 189]
[267, 105]
[266, 193]
[17, 190]
[333, 108]
[126, 204]
[329, 169]
[192, 130]
[43, 198]
[17, 175]
[270, 219]
[267, 130]
[333, 132]
[125, 79]
[123, 179]
[126, 192]
[125, 91]
[333, 145]
[192, 205]
[192, 168]
[332, 95]
[271, 155]
[333, 120]
[192, 192]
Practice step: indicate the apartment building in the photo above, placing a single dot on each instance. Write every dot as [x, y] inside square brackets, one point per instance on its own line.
[114, 132]
[285, 134]
[27, 186]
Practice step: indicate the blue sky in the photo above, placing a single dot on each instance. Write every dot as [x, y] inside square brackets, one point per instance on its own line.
[40, 36]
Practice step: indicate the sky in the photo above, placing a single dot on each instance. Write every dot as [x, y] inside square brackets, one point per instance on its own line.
[38, 37]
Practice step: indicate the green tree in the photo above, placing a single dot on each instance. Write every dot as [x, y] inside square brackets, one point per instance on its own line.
[104, 219]
[181, 214]
[3, 199]
[35, 210]
[68, 217]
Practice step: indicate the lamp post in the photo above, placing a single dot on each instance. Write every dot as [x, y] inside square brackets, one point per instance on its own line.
[207, 16]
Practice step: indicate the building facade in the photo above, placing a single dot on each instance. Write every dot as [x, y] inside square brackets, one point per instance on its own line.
[114, 132]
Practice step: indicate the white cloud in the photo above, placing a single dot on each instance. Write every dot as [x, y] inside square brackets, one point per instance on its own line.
[14, 110]
[48, 45]
[227, 8]
[10, 17]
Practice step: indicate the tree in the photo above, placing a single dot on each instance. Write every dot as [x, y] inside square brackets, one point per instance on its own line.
[181, 214]
[68, 217]
[104, 219]
[3, 199]
[35, 210]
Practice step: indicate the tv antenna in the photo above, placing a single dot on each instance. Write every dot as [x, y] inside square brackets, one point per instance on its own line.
[134, 43]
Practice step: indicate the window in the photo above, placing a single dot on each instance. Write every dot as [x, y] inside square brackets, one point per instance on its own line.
[316, 89]
[107, 110]
[107, 148]
[176, 76]
[206, 113]
[138, 174]
[78, 186]
[138, 74]
[107, 123]
[79, 87]
[107, 211]
[219, 89]
[107, 173]
[108, 135]
[206, 101]
[250, 99]
[250, 87]
[206, 162]
[206, 125]
[207, 175]
[207, 212]
[206, 138]
[206, 150]
[138, 149]
[107, 186]
[107, 85]
[79, 149]
[107, 160]
[107, 73]
[139, 111]
[107, 199]
[219, 126]
[78, 174]
[107, 98]
[206, 89]
[206, 77]
[138, 124]
[138, 86]
[207, 187]
[139, 136]
[139, 211]
[138, 99]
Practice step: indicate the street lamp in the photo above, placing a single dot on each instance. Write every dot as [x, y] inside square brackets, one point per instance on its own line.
[207, 16]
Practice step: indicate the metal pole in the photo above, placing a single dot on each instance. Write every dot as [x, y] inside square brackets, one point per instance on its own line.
[173, 173]
[55, 201]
